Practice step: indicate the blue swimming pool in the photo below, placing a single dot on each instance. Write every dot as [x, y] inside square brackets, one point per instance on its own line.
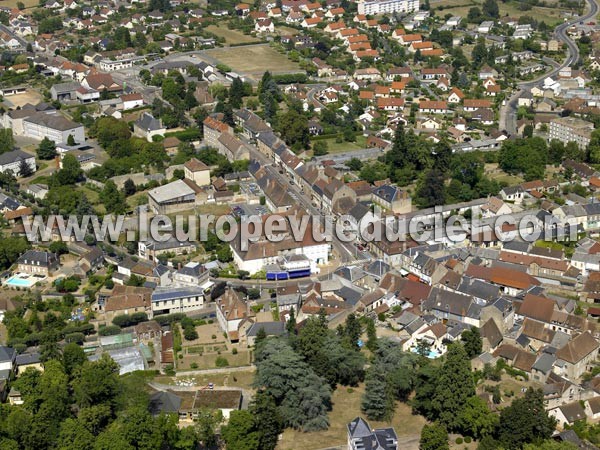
[432, 353]
[20, 282]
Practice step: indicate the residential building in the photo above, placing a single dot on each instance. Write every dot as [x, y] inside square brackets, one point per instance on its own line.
[168, 300]
[52, 126]
[148, 127]
[198, 172]
[11, 161]
[36, 262]
[375, 7]
[362, 437]
[571, 129]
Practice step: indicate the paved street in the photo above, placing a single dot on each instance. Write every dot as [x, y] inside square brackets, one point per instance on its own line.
[508, 112]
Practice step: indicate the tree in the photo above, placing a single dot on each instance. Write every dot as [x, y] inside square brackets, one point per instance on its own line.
[454, 387]
[240, 432]
[25, 169]
[97, 382]
[302, 396]
[353, 331]
[476, 419]
[71, 141]
[290, 325]
[371, 335]
[7, 141]
[432, 190]
[58, 247]
[236, 93]
[490, 8]
[320, 148]
[268, 420]
[377, 402]
[129, 187]
[46, 149]
[71, 171]
[293, 127]
[525, 421]
[471, 340]
[434, 437]
[112, 198]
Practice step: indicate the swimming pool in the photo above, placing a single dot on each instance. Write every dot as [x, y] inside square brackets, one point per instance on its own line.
[432, 353]
[21, 281]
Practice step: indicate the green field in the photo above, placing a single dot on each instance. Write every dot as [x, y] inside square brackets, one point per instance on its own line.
[551, 15]
[232, 37]
[254, 60]
[341, 147]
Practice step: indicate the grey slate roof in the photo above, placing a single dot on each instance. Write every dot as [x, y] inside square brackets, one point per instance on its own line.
[14, 156]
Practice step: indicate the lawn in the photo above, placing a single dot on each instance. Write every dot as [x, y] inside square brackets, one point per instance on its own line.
[242, 379]
[340, 147]
[346, 406]
[232, 37]
[495, 173]
[550, 15]
[27, 3]
[254, 60]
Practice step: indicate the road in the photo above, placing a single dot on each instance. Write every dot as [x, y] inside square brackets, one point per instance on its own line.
[508, 112]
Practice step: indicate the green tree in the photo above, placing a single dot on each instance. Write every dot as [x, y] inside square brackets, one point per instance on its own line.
[267, 418]
[46, 149]
[432, 191]
[112, 198]
[129, 187]
[476, 419]
[454, 387]
[377, 402]
[293, 127]
[70, 173]
[490, 9]
[434, 437]
[73, 357]
[320, 148]
[525, 421]
[97, 382]
[236, 93]
[71, 140]
[472, 342]
[240, 432]
[25, 169]
[7, 141]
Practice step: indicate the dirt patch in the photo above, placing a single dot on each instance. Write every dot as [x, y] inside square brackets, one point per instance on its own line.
[29, 96]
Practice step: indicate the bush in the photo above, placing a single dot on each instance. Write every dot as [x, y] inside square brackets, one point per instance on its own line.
[214, 336]
[78, 338]
[109, 330]
[169, 370]
[221, 362]
[459, 440]
[467, 439]
[127, 320]
[190, 334]
[234, 351]
[193, 365]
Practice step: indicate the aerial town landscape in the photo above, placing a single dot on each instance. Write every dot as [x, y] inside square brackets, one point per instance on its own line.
[362, 225]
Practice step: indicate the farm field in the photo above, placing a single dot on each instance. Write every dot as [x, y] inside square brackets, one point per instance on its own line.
[254, 60]
[232, 37]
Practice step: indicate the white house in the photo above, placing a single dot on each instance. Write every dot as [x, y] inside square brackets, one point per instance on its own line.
[11, 161]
